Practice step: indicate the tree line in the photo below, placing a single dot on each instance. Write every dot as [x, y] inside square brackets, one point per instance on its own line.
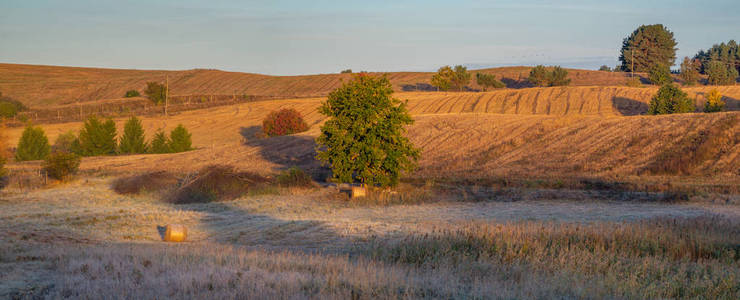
[652, 49]
[95, 138]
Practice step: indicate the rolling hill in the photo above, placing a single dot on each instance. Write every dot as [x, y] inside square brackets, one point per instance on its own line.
[42, 86]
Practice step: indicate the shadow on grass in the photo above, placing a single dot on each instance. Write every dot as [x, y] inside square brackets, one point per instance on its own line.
[629, 107]
[286, 151]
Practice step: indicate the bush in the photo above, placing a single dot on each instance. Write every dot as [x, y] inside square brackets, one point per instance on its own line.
[65, 142]
[605, 68]
[488, 81]
[558, 77]
[714, 102]
[180, 140]
[160, 143]
[364, 135]
[33, 145]
[97, 138]
[283, 122]
[148, 182]
[132, 93]
[217, 183]
[9, 107]
[156, 92]
[294, 177]
[62, 165]
[670, 100]
[660, 75]
[133, 140]
[538, 76]
[347, 71]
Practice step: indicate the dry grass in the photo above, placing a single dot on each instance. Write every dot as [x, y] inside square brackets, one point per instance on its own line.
[657, 258]
[82, 240]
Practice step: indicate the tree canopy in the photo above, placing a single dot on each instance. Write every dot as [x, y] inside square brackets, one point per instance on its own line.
[363, 139]
[648, 46]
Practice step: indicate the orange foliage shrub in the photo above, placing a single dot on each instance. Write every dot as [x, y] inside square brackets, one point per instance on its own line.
[283, 122]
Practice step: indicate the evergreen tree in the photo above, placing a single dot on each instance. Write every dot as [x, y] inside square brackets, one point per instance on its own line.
[660, 75]
[720, 73]
[363, 139]
[670, 100]
[727, 53]
[33, 145]
[160, 143]
[97, 138]
[180, 140]
[648, 46]
[133, 140]
[689, 71]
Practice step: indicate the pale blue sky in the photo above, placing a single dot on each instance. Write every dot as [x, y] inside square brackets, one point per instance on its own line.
[318, 36]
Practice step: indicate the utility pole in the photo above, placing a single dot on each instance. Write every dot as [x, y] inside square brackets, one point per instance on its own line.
[166, 93]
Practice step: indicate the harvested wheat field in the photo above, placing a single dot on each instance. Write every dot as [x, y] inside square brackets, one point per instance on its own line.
[42, 86]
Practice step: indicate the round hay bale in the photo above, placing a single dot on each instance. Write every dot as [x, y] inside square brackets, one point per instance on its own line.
[175, 233]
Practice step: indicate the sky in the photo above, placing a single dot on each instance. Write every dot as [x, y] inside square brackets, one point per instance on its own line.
[318, 36]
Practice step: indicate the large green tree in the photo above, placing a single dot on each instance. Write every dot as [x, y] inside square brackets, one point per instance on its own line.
[97, 138]
[33, 145]
[648, 46]
[133, 140]
[363, 139]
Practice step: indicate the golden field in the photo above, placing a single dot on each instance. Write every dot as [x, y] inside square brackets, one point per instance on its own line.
[562, 192]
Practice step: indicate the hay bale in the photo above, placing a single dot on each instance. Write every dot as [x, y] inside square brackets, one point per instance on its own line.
[175, 233]
[358, 191]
